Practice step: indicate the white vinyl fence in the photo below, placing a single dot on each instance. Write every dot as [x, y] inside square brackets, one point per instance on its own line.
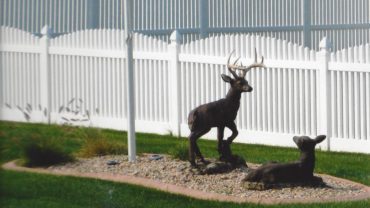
[305, 22]
[80, 78]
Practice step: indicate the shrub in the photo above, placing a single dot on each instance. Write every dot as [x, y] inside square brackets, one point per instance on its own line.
[42, 153]
[180, 150]
[96, 145]
[87, 133]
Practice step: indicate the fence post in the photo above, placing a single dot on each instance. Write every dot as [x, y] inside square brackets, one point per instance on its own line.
[92, 14]
[204, 20]
[45, 99]
[306, 7]
[324, 91]
[175, 83]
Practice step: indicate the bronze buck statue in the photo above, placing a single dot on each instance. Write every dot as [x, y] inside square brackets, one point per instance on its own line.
[220, 113]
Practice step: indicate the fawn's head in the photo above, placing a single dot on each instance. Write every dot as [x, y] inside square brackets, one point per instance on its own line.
[239, 83]
[306, 144]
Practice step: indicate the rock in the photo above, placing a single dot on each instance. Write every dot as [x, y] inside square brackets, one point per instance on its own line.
[155, 157]
[254, 185]
[245, 169]
[181, 168]
[217, 167]
[238, 161]
[112, 162]
[235, 160]
[196, 171]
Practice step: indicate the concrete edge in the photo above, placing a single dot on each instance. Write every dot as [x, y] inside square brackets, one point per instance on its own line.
[157, 185]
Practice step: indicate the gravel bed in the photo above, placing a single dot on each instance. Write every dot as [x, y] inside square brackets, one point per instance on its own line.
[178, 172]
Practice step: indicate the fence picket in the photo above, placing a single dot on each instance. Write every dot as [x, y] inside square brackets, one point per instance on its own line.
[368, 104]
[346, 82]
[362, 109]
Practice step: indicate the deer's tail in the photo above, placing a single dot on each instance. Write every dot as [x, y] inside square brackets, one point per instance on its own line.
[192, 120]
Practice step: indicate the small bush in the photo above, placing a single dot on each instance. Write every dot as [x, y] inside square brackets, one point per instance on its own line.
[96, 144]
[88, 133]
[180, 150]
[100, 147]
[43, 153]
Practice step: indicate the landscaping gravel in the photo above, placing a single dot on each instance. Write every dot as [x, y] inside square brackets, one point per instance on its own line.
[172, 171]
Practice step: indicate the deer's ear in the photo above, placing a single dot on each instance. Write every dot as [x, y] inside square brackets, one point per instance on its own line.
[320, 138]
[226, 78]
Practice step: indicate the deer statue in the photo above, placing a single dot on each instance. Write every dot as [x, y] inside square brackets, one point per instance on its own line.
[220, 113]
[300, 171]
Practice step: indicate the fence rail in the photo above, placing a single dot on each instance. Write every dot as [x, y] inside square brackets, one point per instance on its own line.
[81, 77]
[305, 22]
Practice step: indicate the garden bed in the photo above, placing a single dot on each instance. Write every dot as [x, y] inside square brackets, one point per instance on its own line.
[178, 177]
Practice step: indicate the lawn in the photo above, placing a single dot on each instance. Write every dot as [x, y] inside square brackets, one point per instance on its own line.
[37, 190]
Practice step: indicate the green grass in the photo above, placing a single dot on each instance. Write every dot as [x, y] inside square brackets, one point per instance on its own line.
[37, 190]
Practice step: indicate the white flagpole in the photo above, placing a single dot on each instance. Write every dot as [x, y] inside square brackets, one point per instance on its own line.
[130, 82]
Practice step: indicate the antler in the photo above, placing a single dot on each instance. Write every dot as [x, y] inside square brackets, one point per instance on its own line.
[232, 67]
[254, 65]
[244, 69]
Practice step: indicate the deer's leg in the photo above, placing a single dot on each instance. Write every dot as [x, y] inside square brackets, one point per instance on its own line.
[226, 154]
[192, 146]
[220, 136]
[234, 131]
[197, 151]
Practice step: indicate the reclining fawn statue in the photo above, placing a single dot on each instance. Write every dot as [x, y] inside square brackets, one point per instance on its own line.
[220, 113]
[300, 171]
